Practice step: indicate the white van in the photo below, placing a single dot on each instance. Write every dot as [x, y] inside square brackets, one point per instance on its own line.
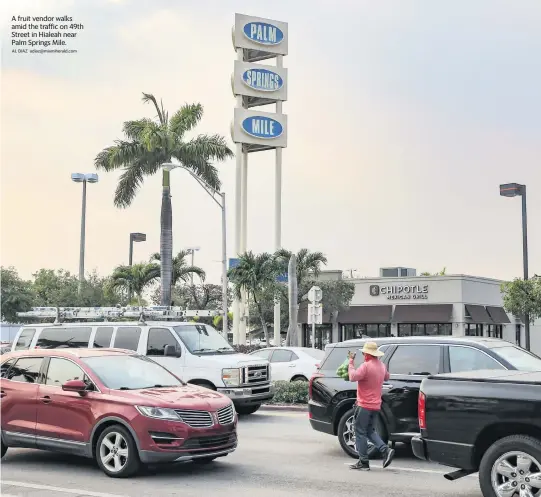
[196, 353]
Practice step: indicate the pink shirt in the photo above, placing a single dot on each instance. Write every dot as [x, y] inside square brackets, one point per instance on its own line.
[369, 377]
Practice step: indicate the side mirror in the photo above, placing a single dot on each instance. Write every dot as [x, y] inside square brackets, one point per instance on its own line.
[75, 386]
[171, 351]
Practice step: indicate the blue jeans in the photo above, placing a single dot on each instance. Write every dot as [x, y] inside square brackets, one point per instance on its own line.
[364, 431]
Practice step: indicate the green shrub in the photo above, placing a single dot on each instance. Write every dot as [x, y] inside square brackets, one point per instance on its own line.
[290, 392]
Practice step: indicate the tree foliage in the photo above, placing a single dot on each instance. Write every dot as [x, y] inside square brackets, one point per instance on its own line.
[182, 271]
[522, 297]
[137, 278]
[16, 294]
[256, 274]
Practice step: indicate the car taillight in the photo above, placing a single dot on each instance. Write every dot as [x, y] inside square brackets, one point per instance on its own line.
[422, 410]
[311, 383]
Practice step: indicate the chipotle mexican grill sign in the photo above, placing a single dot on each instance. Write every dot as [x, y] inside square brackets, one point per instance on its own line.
[400, 292]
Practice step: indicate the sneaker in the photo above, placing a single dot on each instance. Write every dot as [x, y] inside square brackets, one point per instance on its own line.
[360, 465]
[388, 457]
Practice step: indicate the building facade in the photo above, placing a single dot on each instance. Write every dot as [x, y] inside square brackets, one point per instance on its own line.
[454, 305]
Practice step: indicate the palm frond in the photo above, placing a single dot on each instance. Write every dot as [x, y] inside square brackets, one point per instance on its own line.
[148, 97]
[202, 168]
[210, 146]
[134, 130]
[185, 119]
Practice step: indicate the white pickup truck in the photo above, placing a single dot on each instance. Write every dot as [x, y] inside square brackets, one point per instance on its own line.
[196, 353]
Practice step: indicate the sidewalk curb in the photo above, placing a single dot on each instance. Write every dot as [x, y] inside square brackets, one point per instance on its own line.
[284, 407]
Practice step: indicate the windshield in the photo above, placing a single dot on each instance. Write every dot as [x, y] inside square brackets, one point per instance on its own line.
[519, 358]
[130, 372]
[203, 339]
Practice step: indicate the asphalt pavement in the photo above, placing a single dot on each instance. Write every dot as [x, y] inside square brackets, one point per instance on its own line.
[279, 455]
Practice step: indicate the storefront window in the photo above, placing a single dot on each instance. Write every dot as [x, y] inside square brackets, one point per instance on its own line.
[323, 336]
[404, 330]
[418, 330]
[495, 330]
[474, 330]
[352, 331]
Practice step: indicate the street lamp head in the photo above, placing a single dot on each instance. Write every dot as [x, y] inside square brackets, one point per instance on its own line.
[511, 189]
[77, 177]
[138, 237]
[169, 165]
[91, 178]
[193, 249]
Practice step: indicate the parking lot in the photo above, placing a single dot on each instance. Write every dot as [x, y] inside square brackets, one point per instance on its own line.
[279, 455]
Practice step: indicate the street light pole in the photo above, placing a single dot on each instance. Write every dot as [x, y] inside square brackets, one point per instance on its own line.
[192, 251]
[512, 190]
[82, 244]
[213, 194]
[84, 179]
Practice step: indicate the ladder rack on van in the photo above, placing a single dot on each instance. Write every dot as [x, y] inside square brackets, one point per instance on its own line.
[156, 312]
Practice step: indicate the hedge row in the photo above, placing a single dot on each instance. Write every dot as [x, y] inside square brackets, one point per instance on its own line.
[290, 392]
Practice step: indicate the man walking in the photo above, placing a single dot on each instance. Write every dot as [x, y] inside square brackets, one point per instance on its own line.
[369, 377]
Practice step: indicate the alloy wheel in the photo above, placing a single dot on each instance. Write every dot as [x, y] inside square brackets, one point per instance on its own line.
[114, 452]
[349, 435]
[516, 473]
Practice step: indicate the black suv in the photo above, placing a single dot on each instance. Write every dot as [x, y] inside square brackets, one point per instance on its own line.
[409, 360]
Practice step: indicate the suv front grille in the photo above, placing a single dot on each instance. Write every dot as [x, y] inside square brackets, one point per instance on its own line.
[226, 415]
[210, 442]
[255, 375]
[195, 419]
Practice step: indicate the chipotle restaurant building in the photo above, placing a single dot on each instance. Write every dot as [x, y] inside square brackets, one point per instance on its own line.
[454, 305]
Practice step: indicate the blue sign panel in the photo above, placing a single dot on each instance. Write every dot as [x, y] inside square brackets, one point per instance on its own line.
[233, 263]
[263, 33]
[262, 80]
[262, 127]
[282, 278]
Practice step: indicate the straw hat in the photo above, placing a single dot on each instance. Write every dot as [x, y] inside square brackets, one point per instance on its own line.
[371, 348]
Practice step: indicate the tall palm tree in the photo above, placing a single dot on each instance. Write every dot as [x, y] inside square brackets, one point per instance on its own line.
[308, 264]
[255, 274]
[181, 270]
[135, 278]
[150, 143]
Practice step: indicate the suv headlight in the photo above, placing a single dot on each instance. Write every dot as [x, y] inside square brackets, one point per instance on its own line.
[231, 377]
[159, 413]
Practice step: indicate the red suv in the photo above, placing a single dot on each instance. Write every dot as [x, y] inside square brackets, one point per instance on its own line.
[113, 405]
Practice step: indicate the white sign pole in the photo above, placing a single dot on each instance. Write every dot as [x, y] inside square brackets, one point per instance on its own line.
[243, 245]
[313, 326]
[238, 220]
[278, 213]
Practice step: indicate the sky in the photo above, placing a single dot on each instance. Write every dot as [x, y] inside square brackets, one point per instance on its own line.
[404, 118]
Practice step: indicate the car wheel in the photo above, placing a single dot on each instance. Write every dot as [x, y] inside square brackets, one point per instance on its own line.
[511, 465]
[245, 410]
[346, 435]
[4, 448]
[116, 452]
[299, 378]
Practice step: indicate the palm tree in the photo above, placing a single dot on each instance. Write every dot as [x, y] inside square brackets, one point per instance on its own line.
[181, 270]
[308, 264]
[135, 278]
[255, 274]
[150, 143]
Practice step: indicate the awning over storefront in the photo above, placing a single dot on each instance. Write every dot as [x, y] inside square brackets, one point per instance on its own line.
[478, 314]
[366, 314]
[498, 314]
[423, 313]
